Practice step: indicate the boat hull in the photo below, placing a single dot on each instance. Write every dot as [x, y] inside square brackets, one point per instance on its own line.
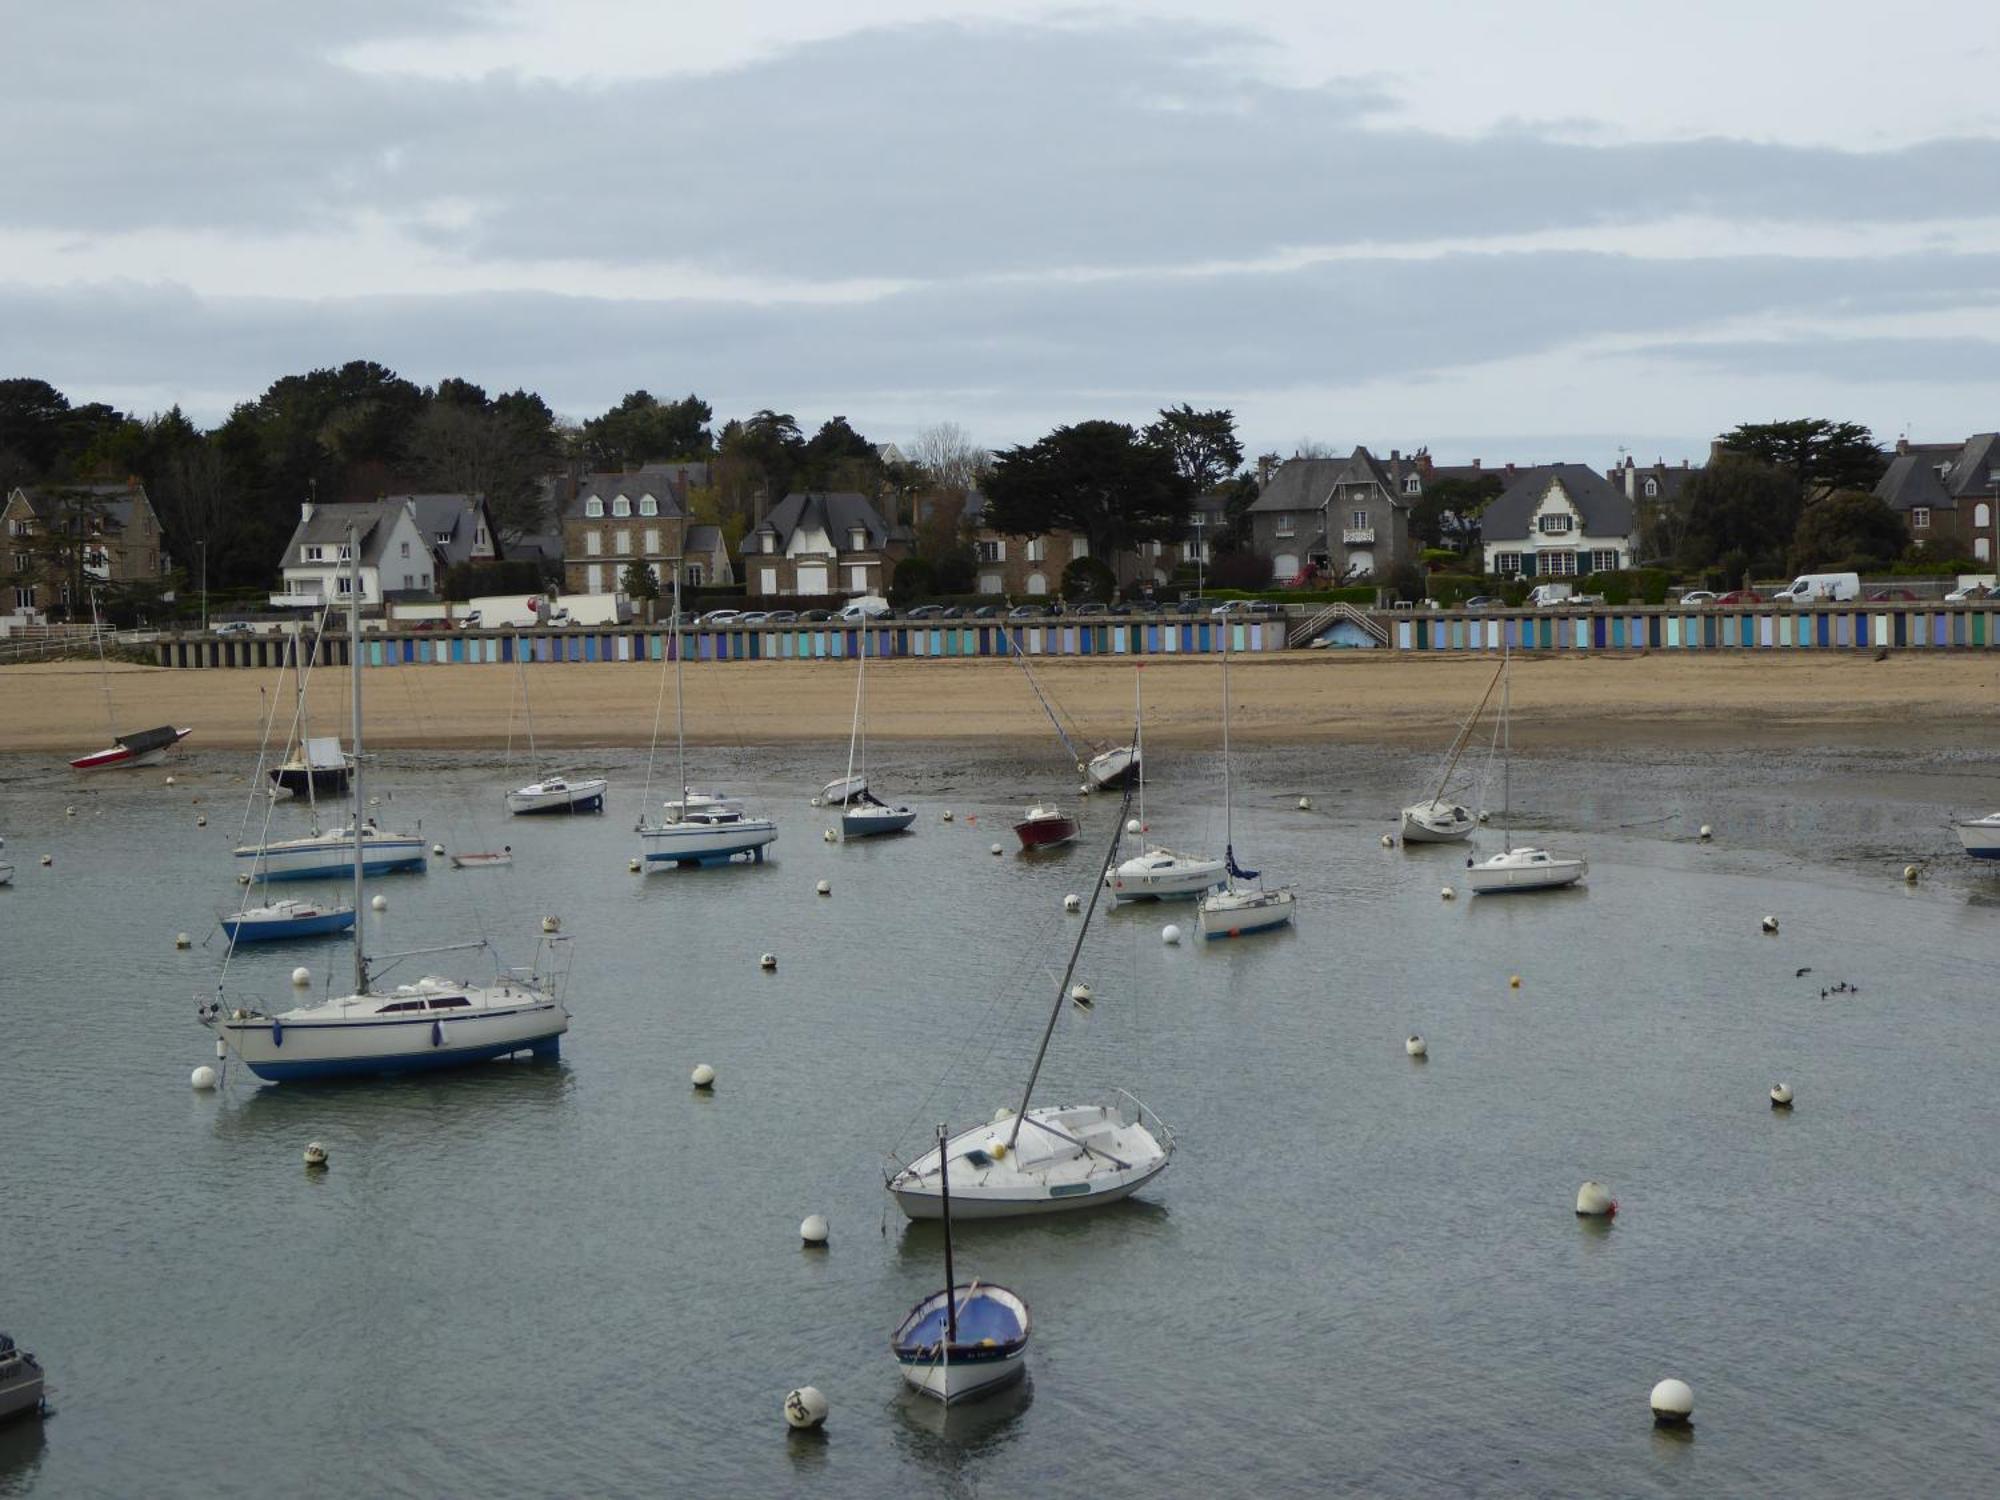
[245, 928]
[575, 797]
[1146, 878]
[873, 822]
[840, 792]
[1228, 915]
[124, 758]
[1114, 769]
[1046, 832]
[1500, 880]
[331, 858]
[1048, 1171]
[1980, 839]
[966, 1204]
[1433, 823]
[280, 1051]
[695, 844]
[993, 1330]
[21, 1393]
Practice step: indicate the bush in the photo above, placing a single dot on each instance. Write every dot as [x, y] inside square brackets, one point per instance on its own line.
[1358, 593]
[1455, 588]
[1643, 585]
[914, 579]
[1088, 578]
[1239, 570]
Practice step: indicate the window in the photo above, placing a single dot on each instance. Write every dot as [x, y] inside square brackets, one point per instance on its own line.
[770, 541]
[692, 575]
[857, 577]
[1555, 523]
[406, 549]
[20, 562]
[593, 543]
[1556, 564]
[63, 594]
[18, 528]
[1358, 520]
[857, 539]
[1413, 485]
[1604, 561]
[1652, 489]
[593, 507]
[480, 540]
[621, 506]
[621, 543]
[1286, 523]
[409, 580]
[1981, 549]
[24, 596]
[593, 578]
[648, 506]
[1982, 515]
[1037, 549]
[343, 584]
[990, 552]
[1079, 547]
[314, 554]
[1152, 549]
[652, 541]
[1920, 517]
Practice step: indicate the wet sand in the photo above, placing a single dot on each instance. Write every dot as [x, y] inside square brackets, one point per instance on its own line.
[1564, 702]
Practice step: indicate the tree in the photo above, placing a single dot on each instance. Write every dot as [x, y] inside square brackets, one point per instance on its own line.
[464, 444]
[914, 578]
[1100, 479]
[640, 581]
[759, 455]
[1821, 456]
[1203, 444]
[1088, 578]
[947, 458]
[838, 458]
[643, 427]
[1237, 495]
[1448, 514]
[33, 416]
[1741, 513]
[1849, 529]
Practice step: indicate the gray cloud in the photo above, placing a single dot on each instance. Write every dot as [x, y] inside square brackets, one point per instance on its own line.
[923, 151]
[1877, 360]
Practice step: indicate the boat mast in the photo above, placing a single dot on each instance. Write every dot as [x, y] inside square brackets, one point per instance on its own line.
[1228, 801]
[1139, 746]
[360, 786]
[1506, 753]
[950, 1280]
[1076, 949]
[680, 714]
[854, 733]
[1465, 733]
[103, 669]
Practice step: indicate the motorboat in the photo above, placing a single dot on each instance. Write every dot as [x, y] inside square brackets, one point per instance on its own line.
[1045, 826]
[1244, 905]
[1160, 874]
[963, 1341]
[321, 856]
[1524, 869]
[147, 747]
[21, 1381]
[318, 768]
[1049, 1160]
[1112, 770]
[559, 794]
[1436, 822]
[1981, 836]
[867, 818]
[287, 919]
[483, 860]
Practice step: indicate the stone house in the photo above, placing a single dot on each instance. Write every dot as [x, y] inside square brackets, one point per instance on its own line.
[397, 562]
[817, 544]
[1948, 493]
[1018, 567]
[1336, 518]
[113, 526]
[615, 520]
[1558, 521]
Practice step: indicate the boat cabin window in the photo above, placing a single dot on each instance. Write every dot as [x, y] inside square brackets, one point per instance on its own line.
[978, 1158]
[449, 1002]
[400, 1005]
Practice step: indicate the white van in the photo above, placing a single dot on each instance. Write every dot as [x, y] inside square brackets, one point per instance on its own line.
[1820, 588]
[867, 607]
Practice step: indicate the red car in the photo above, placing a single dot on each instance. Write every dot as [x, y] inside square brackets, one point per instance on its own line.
[1891, 596]
[1742, 596]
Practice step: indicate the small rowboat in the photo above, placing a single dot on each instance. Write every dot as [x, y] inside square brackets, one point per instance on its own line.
[483, 861]
[146, 748]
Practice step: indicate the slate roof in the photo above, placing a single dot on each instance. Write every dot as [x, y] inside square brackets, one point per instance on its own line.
[327, 525]
[706, 539]
[666, 483]
[112, 503]
[1911, 480]
[1303, 484]
[835, 513]
[1603, 507]
[454, 517]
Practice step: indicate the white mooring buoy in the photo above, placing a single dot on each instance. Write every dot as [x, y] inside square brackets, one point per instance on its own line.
[825, 887]
[182, 940]
[1781, 1096]
[703, 1076]
[1706, 833]
[1416, 1046]
[438, 850]
[813, 1232]
[202, 821]
[203, 1078]
[998, 850]
[632, 865]
[242, 879]
[47, 860]
[1448, 893]
[1485, 816]
[1080, 993]
[1388, 842]
[170, 781]
[380, 903]
[826, 836]
[302, 976]
[1910, 873]
[1673, 1403]
[815, 802]
[1305, 804]
[1170, 934]
[315, 1154]
[69, 812]
[1770, 924]
[805, 1408]
[768, 961]
[551, 924]
[1072, 902]
[1594, 1201]
[1132, 825]
[945, 817]
[1083, 789]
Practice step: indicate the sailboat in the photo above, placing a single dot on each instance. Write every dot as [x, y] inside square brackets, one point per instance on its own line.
[553, 793]
[1042, 1159]
[1237, 910]
[1980, 837]
[1158, 873]
[1108, 768]
[964, 1341]
[699, 828]
[145, 747]
[1434, 820]
[436, 1022]
[1046, 825]
[1523, 869]
[863, 814]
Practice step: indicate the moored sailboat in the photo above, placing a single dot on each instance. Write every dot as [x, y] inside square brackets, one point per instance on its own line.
[145, 747]
[1526, 868]
[1238, 910]
[1157, 873]
[1439, 819]
[863, 814]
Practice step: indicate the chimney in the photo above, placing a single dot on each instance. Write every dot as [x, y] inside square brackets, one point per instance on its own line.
[305, 511]
[1267, 464]
[1684, 463]
[1902, 446]
[1395, 455]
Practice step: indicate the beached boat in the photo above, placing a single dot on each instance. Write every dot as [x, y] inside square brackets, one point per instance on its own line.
[1980, 837]
[436, 1022]
[1238, 910]
[21, 1381]
[1439, 818]
[1048, 1158]
[1106, 768]
[863, 814]
[145, 747]
[1526, 868]
[964, 1341]
[559, 794]
[1157, 873]
[318, 768]
[279, 920]
[6, 866]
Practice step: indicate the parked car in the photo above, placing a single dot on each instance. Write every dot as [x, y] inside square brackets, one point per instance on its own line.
[1892, 596]
[470, 620]
[1741, 596]
[1820, 588]
[1188, 607]
[244, 627]
[925, 612]
[752, 617]
[1698, 598]
[782, 617]
[422, 625]
[1483, 601]
[719, 617]
[1968, 594]
[815, 616]
[1090, 607]
[866, 607]
[990, 612]
[1028, 612]
[951, 612]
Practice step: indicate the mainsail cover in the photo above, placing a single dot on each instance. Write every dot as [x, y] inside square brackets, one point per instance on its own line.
[147, 740]
[1235, 869]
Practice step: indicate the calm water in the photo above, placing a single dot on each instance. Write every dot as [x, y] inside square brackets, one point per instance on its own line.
[1362, 1274]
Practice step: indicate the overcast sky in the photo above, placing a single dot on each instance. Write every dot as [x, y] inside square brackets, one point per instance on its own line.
[1539, 231]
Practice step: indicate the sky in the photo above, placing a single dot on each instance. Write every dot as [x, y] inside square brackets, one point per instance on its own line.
[1545, 231]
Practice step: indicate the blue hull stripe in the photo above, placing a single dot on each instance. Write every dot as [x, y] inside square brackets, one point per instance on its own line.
[270, 932]
[408, 1062]
[344, 867]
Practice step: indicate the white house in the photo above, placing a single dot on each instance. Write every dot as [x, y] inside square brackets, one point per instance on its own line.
[1558, 521]
[396, 558]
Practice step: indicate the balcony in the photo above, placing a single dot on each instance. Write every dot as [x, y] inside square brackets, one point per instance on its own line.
[1358, 536]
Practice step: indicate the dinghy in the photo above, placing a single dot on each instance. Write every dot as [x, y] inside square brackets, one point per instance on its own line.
[485, 861]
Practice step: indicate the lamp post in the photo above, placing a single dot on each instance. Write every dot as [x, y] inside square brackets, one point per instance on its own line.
[1200, 554]
[202, 545]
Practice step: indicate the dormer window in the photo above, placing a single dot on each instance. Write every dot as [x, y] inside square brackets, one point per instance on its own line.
[770, 541]
[1652, 488]
[857, 539]
[621, 506]
[444, 538]
[1556, 522]
[648, 506]
[1413, 485]
[313, 553]
[593, 507]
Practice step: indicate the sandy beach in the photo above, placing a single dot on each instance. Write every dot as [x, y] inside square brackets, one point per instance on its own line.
[1559, 702]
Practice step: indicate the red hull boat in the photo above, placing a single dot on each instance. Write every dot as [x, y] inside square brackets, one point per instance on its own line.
[1045, 827]
[147, 748]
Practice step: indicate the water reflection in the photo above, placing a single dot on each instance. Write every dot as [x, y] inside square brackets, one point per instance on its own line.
[952, 1441]
[23, 1444]
[458, 1100]
[1114, 1225]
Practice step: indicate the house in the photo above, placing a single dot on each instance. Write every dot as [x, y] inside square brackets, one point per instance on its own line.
[457, 527]
[615, 520]
[1558, 521]
[396, 559]
[1018, 567]
[1336, 517]
[1948, 493]
[64, 537]
[705, 562]
[815, 544]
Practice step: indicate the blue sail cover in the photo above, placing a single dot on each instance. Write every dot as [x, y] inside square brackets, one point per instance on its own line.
[1235, 869]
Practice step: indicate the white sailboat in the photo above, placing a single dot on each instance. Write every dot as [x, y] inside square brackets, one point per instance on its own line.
[1108, 768]
[1526, 868]
[863, 814]
[1042, 1159]
[6, 866]
[436, 1022]
[1980, 837]
[1238, 909]
[1437, 819]
[552, 793]
[1157, 873]
[965, 1340]
[698, 828]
